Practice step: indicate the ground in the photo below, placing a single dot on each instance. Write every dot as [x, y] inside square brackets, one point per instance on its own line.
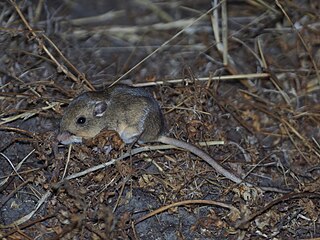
[240, 82]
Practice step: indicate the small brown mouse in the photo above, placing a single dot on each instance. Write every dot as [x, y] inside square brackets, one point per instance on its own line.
[130, 111]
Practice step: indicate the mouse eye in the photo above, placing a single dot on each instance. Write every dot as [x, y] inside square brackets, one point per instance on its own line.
[81, 120]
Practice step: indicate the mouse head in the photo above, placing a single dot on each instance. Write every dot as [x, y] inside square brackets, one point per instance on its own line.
[83, 118]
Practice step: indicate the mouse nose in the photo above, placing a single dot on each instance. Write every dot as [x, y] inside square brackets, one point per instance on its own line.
[63, 136]
[68, 138]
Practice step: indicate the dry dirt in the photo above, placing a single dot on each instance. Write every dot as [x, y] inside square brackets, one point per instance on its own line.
[269, 121]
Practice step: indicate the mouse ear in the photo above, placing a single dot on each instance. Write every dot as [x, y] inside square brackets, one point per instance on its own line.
[99, 109]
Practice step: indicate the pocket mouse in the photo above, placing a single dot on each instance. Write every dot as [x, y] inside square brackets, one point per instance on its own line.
[132, 112]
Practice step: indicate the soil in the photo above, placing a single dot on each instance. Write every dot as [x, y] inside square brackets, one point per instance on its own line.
[255, 89]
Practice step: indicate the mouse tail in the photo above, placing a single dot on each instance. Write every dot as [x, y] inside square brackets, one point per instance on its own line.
[203, 155]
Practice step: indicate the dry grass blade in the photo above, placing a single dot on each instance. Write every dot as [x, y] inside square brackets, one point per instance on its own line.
[302, 40]
[27, 114]
[67, 162]
[27, 217]
[221, 47]
[96, 19]
[161, 47]
[16, 169]
[42, 45]
[224, 27]
[157, 10]
[304, 141]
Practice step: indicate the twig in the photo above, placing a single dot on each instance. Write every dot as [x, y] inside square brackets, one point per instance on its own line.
[157, 11]
[42, 45]
[295, 144]
[80, 74]
[227, 59]
[288, 197]
[113, 161]
[28, 114]
[4, 199]
[31, 223]
[123, 184]
[302, 40]
[162, 46]
[187, 202]
[67, 162]
[219, 78]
